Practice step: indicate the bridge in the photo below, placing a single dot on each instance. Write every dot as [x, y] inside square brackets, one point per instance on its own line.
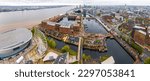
[80, 50]
[89, 18]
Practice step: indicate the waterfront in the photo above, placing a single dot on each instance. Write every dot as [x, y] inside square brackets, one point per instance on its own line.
[28, 18]
[92, 26]
[114, 49]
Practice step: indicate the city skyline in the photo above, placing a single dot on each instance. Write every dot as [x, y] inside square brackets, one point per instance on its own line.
[75, 34]
[75, 2]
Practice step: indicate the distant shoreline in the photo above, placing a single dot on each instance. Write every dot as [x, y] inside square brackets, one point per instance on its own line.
[24, 8]
[24, 24]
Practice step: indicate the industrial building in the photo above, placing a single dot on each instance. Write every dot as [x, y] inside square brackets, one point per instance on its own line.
[64, 26]
[141, 35]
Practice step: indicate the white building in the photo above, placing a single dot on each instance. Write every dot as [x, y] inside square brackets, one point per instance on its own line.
[14, 41]
[50, 56]
[110, 60]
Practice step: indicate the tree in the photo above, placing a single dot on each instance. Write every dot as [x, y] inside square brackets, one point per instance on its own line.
[138, 48]
[98, 41]
[51, 43]
[33, 31]
[103, 58]
[147, 60]
[72, 52]
[86, 57]
[66, 48]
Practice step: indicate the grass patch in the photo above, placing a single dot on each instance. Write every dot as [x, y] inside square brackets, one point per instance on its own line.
[138, 48]
[76, 62]
[67, 48]
[147, 60]
[103, 58]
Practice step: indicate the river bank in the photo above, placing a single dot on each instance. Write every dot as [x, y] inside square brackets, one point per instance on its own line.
[28, 25]
[28, 18]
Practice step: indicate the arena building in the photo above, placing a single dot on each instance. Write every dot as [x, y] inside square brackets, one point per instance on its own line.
[14, 41]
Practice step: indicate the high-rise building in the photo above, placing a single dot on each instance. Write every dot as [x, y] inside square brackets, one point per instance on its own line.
[84, 12]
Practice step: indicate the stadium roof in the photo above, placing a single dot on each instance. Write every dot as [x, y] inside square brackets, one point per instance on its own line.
[14, 38]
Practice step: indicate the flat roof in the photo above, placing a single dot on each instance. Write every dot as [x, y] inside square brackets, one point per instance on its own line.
[65, 25]
[14, 38]
[50, 56]
[61, 59]
[51, 23]
[143, 32]
[138, 27]
[110, 60]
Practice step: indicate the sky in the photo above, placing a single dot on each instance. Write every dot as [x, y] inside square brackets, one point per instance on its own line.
[75, 2]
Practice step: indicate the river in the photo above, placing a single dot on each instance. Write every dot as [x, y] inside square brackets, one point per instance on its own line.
[114, 48]
[93, 27]
[29, 16]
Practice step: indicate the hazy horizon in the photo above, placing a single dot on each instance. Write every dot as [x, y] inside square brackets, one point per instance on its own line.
[76, 2]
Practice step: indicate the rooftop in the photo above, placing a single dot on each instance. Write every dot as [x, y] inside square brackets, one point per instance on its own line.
[61, 59]
[13, 38]
[66, 21]
[65, 25]
[51, 23]
[50, 56]
[110, 60]
[138, 27]
[143, 32]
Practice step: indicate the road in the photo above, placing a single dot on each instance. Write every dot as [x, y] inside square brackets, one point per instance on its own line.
[132, 52]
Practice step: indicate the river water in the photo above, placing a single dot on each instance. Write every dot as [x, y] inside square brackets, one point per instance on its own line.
[93, 27]
[7, 18]
[114, 49]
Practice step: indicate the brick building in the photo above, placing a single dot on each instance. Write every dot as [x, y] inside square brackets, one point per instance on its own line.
[141, 37]
[64, 28]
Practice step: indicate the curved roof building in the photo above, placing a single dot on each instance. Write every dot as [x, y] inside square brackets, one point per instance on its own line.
[14, 41]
